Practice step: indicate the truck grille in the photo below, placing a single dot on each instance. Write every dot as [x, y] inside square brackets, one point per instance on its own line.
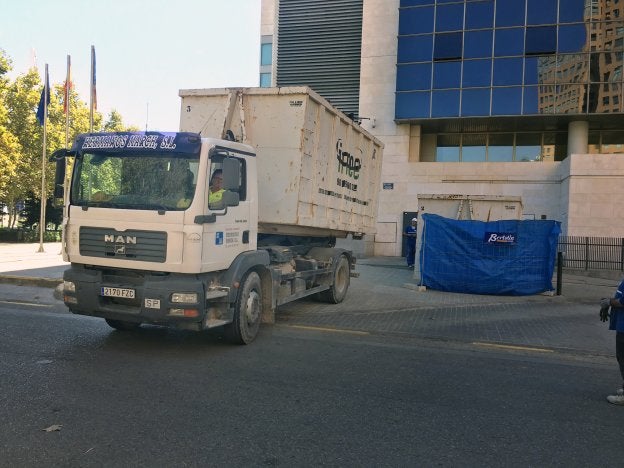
[144, 246]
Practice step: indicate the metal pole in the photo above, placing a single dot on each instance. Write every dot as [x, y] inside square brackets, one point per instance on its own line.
[43, 161]
[91, 87]
[559, 272]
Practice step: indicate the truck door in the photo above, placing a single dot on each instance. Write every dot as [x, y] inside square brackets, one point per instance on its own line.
[228, 235]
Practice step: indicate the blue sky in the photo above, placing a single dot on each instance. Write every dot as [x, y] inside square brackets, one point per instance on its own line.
[145, 50]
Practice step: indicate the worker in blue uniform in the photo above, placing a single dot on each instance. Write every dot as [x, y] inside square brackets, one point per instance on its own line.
[410, 233]
[612, 309]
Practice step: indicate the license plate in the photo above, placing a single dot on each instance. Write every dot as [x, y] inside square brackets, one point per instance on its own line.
[118, 292]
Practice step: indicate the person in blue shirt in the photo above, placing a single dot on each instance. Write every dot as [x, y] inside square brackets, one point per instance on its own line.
[410, 233]
[612, 309]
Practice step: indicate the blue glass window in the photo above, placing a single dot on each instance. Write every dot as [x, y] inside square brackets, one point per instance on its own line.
[446, 74]
[570, 99]
[541, 40]
[507, 71]
[500, 147]
[541, 11]
[415, 48]
[416, 20]
[445, 103]
[407, 3]
[447, 148]
[416, 76]
[265, 80]
[412, 105]
[475, 102]
[510, 13]
[528, 146]
[473, 147]
[478, 44]
[450, 17]
[530, 70]
[448, 46]
[506, 101]
[477, 73]
[529, 101]
[571, 11]
[480, 14]
[572, 38]
[266, 51]
[509, 42]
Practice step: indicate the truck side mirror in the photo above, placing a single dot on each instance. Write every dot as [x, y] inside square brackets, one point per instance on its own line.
[231, 174]
[230, 198]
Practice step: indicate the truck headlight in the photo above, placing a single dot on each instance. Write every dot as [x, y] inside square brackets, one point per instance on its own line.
[186, 298]
[69, 286]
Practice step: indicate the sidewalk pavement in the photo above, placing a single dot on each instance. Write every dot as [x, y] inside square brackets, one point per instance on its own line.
[25, 264]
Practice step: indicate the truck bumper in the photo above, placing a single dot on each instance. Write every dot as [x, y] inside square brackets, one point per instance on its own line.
[143, 297]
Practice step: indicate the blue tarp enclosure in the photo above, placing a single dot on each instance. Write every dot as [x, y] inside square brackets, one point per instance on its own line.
[508, 257]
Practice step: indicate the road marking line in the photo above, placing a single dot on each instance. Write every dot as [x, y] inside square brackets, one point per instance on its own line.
[333, 330]
[517, 348]
[26, 303]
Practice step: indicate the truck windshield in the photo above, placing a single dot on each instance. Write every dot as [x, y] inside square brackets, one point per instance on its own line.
[136, 181]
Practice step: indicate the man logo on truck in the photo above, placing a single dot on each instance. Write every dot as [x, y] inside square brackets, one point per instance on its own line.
[120, 239]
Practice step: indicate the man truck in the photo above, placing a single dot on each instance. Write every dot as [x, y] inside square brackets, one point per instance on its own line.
[218, 224]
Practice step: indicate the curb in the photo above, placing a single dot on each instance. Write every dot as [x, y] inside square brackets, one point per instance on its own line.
[31, 281]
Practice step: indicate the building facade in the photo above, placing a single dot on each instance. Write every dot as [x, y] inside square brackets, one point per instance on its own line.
[517, 98]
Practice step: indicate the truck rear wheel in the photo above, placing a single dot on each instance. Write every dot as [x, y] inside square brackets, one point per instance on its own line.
[123, 325]
[248, 311]
[340, 283]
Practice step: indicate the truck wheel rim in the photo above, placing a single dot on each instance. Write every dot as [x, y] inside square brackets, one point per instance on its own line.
[252, 311]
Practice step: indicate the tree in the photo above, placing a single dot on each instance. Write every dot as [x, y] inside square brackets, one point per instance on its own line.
[115, 123]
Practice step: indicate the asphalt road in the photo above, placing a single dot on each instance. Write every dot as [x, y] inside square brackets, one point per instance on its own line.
[295, 397]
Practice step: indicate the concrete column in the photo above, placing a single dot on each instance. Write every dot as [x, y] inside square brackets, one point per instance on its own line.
[577, 137]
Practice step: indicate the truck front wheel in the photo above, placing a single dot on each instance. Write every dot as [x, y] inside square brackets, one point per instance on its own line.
[340, 283]
[248, 311]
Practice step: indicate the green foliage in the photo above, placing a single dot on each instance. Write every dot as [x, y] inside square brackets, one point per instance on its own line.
[21, 136]
[32, 213]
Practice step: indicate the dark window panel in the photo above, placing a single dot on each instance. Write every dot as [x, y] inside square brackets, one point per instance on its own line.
[530, 104]
[475, 102]
[416, 20]
[508, 42]
[414, 76]
[445, 103]
[541, 40]
[572, 38]
[447, 148]
[446, 74]
[555, 146]
[473, 147]
[450, 17]
[506, 101]
[412, 105]
[408, 3]
[478, 44]
[480, 14]
[477, 73]
[500, 147]
[507, 71]
[612, 142]
[541, 12]
[510, 13]
[571, 11]
[448, 46]
[415, 49]
[606, 64]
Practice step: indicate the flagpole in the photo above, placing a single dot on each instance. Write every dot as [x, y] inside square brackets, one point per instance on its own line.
[46, 91]
[67, 99]
[92, 88]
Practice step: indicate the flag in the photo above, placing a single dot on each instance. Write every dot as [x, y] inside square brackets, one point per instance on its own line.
[93, 88]
[44, 101]
[67, 87]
